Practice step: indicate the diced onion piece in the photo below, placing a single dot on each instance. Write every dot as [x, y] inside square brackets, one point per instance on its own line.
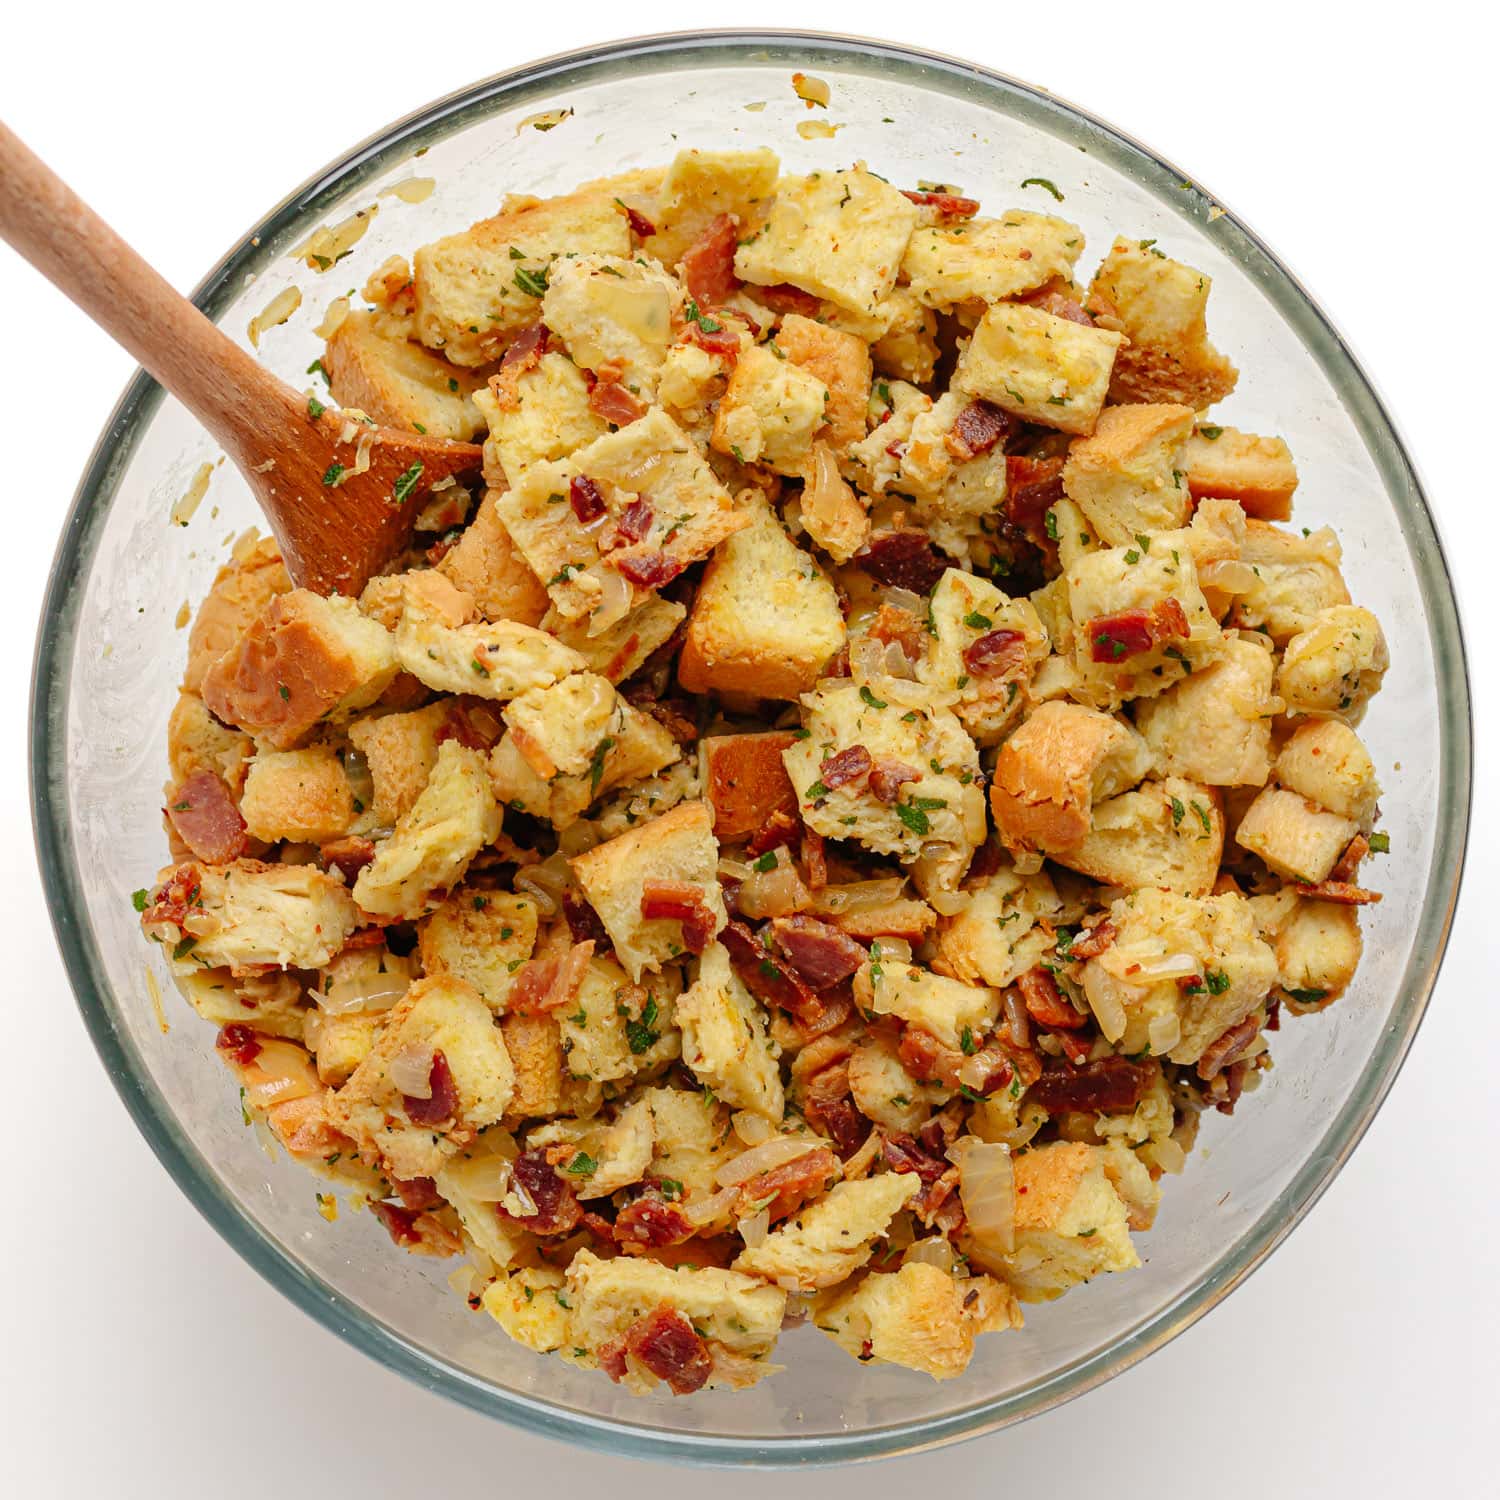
[485, 1179]
[900, 598]
[948, 903]
[1017, 1017]
[362, 984]
[1172, 966]
[1164, 1033]
[857, 895]
[329, 244]
[775, 1152]
[754, 1229]
[772, 893]
[643, 308]
[410, 1070]
[615, 597]
[333, 318]
[466, 1281]
[186, 507]
[280, 1072]
[707, 1210]
[1228, 576]
[987, 1186]
[817, 130]
[411, 189]
[545, 120]
[1168, 1154]
[274, 314]
[936, 1250]
[811, 90]
[751, 1128]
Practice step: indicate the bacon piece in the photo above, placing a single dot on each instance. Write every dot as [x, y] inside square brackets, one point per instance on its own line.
[611, 1357]
[776, 832]
[651, 1222]
[901, 626]
[995, 654]
[1340, 892]
[902, 558]
[473, 724]
[719, 339]
[443, 1103]
[977, 429]
[364, 937]
[829, 1108]
[1234, 1082]
[174, 898]
[545, 984]
[615, 403]
[523, 353]
[981, 1072]
[417, 1193]
[1349, 861]
[205, 818]
[949, 206]
[814, 861]
[1108, 1085]
[238, 1043]
[786, 298]
[557, 1208]
[400, 1223]
[1046, 1003]
[664, 1343]
[649, 570]
[887, 777]
[640, 226]
[904, 1153]
[1049, 300]
[1032, 485]
[586, 498]
[820, 953]
[707, 265]
[771, 983]
[1094, 941]
[1075, 1047]
[845, 768]
[680, 901]
[1226, 1047]
[782, 1190]
[838, 1006]
[1114, 637]
[583, 921]
[634, 523]
[347, 855]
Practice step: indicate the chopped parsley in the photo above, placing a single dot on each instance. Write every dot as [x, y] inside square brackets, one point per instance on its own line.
[406, 483]
[533, 283]
[913, 817]
[639, 1033]
[767, 861]
[1217, 981]
[138, 899]
[866, 696]
[693, 314]
[1380, 843]
[966, 1042]
[315, 408]
[596, 765]
[582, 1165]
[976, 621]
[332, 474]
[1051, 524]
[1043, 182]
[1178, 811]
[1308, 997]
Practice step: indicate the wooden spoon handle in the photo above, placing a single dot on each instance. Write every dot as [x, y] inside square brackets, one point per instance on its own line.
[78, 252]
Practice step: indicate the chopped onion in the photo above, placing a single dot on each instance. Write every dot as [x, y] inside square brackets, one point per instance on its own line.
[772, 893]
[896, 663]
[867, 658]
[707, 1210]
[280, 1072]
[936, 1250]
[905, 599]
[333, 318]
[987, 1186]
[462, 1280]
[411, 189]
[754, 1229]
[975, 1072]
[183, 511]
[410, 1070]
[1164, 1033]
[948, 903]
[485, 1179]
[734, 869]
[775, 1152]
[752, 1129]
[1228, 576]
[545, 883]
[615, 598]
[1017, 1018]
[858, 895]
[643, 308]
[1170, 1156]
[365, 981]
[274, 314]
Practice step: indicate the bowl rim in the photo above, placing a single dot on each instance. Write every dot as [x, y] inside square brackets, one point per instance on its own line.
[173, 1148]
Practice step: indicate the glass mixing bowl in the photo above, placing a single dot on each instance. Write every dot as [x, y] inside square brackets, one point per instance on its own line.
[111, 652]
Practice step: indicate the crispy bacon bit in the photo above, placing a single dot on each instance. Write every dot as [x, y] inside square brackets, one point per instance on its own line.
[673, 714]
[720, 338]
[707, 265]
[904, 1153]
[615, 403]
[995, 654]
[417, 1193]
[1114, 637]
[651, 1222]
[978, 427]
[557, 1209]
[664, 1343]
[524, 353]
[238, 1043]
[949, 206]
[648, 570]
[988, 858]
[786, 298]
[199, 808]
[1060, 306]
[1108, 1085]
[887, 777]
[1233, 1080]
[348, 856]
[784, 1189]
[443, 1103]
[640, 226]
[1226, 1047]
[901, 626]
[838, 1006]
[1032, 485]
[364, 937]
[611, 1357]
[583, 921]
[821, 954]
[1094, 941]
[474, 725]
[902, 558]
[634, 523]
[814, 860]
[400, 1223]
[829, 1109]
[586, 498]
[776, 832]
[1350, 860]
[1045, 1001]
[544, 984]
[772, 983]
[845, 768]
[939, 1204]
[927, 1059]
[174, 898]
[1340, 892]
[680, 901]
[1076, 1048]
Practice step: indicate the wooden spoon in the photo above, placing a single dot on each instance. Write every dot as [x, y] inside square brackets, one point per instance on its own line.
[333, 535]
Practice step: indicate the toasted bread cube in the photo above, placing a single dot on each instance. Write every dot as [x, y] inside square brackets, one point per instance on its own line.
[482, 938]
[678, 846]
[745, 781]
[691, 383]
[1071, 1224]
[701, 185]
[476, 290]
[620, 650]
[445, 1015]
[240, 592]
[918, 1316]
[559, 729]
[302, 660]
[874, 463]
[1326, 762]
[1255, 472]
[693, 1139]
[1295, 837]
[908, 349]
[989, 260]
[248, 915]
[616, 1030]
[630, 806]
[724, 1039]
[1177, 1017]
[947, 1008]
[196, 741]
[882, 1088]
[1317, 951]
[613, 312]
[1052, 770]
[1159, 304]
[399, 383]
[831, 1238]
[838, 235]
[401, 750]
[427, 854]
[609, 1154]
[1127, 476]
[535, 1047]
[341, 1043]
[489, 568]
[770, 412]
[652, 460]
[300, 795]
[1215, 726]
[549, 418]
[1042, 368]
[1296, 577]
[996, 936]
[1167, 833]
[841, 362]
[1335, 666]
[530, 1305]
[766, 619]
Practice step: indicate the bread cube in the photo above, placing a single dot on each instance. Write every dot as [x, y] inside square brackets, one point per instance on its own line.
[1127, 476]
[1255, 472]
[693, 1140]
[1326, 762]
[1215, 725]
[475, 290]
[531, 1306]
[691, 383]
[701, 185]
[610, 1154]
[989, 260]
[884, 1091]
[548, 419]
[838, 235]
[678, 846]
[1296, 577]
[304, 659]
[1042, 368]
[632, 805]
[1053, 769]
[486, 565]
[300, 795]
[617, 1031]
[613, 313]
[482, 938]
[196, 741]
[841, 362]
[652, 461]
[724, 1039]
[1159, 304]
[559, 728]
[240, 592]
[770, 412]
[908, 349]
[745, 781]
[874, 463]
[1071, 1224]
[1317, 951]
[426, 856]
[620, 650]
[946, 1008]
[996, 936]
[1295, 837]
[401, 750]
[341, 1043]
[1334, 666]
[828, 1240]
[766, 619]
[535, 1047]
[398, 383]
[1167, 833]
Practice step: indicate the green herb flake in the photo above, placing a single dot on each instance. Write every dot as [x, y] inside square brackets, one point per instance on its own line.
[866, 696]
[914, 818]
[582, 1165]
[1213, 434]
[332, 474]
[1380, 843]
[406, 483]
[315, 408]
[966, 1042]
[767, 861]
[138, 899]
[976, 621]
[1043, 182]
[1178, 810]
[533, 283]
[1051, 524]
[639, 1033]
[1217, 981]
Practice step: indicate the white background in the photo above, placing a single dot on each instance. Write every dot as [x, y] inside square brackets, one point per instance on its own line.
[138, 1356]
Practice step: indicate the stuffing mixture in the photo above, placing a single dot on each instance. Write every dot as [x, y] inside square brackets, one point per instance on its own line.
[810, 833]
